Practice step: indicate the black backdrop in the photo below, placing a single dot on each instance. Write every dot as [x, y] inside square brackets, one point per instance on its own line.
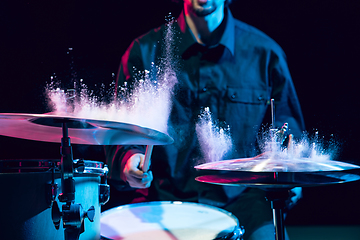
[320, 37]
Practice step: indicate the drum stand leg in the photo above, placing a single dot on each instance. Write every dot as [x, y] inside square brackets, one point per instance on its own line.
[278, 202]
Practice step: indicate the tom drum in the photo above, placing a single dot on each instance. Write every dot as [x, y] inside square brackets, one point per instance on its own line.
[26, 199]
[169, 221]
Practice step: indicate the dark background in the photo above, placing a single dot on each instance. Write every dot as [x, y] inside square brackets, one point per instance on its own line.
[320, 37]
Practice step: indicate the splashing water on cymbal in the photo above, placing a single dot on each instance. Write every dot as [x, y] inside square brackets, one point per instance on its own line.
[214, 140]
[313, 147]
[148, 104]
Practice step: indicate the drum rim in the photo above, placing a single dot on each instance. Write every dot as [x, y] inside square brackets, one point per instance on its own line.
[90, 167]
[127, 206]
[31, 165]
[48, 164]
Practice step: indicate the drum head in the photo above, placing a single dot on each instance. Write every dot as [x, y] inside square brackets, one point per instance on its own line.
[167, 221]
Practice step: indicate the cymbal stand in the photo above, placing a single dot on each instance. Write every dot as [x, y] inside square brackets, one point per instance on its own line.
[278, 198]
[72, 213]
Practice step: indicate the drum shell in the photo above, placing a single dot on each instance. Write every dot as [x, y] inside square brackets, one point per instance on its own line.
[25, 207]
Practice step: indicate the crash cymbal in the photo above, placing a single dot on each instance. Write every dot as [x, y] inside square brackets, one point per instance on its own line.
[278, 163]
[276, 171]
[266, 180]
[48, 128]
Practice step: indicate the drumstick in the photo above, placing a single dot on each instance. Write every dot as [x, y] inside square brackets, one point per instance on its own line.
[147, 157]
[290, 144]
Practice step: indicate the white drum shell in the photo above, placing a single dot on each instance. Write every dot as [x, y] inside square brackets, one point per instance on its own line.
[25, 212]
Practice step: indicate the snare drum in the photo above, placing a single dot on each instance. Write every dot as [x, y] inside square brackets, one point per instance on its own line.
[169, 221]
[25, 198]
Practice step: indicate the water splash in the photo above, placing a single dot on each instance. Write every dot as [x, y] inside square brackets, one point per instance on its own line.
[313, 147]
[316, 147]
[148, 103]
[215, 142]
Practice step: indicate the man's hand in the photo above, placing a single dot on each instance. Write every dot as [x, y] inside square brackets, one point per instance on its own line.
[133, 173]
[294, 197]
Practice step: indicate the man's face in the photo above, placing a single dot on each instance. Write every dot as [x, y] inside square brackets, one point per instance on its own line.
[202, 8]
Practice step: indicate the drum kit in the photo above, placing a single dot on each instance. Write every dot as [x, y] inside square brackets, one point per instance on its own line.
[82, 183]
[83, 187]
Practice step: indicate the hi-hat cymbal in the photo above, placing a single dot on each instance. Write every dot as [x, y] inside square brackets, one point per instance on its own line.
[276, 171]
[48, 128]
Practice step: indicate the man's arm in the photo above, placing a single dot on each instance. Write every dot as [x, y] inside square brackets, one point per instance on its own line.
[124, 162]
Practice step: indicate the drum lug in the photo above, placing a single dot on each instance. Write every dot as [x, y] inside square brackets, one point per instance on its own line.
[237, 234]
[104, 188]
[56, 215]
[51, 188]
[51, 192]
[104, 193]
[79, 165]
[241, 232]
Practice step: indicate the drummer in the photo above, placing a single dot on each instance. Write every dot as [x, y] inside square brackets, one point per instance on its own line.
[230, 67]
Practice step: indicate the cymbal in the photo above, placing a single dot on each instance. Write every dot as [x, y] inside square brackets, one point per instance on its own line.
[48, 128]
[278, 163]
[279, 180]
[275, 171]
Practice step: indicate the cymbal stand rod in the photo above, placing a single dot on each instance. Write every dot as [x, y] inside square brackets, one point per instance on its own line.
[278, 224]
[273, 130]
[67, 170]
[272, 105]
[278, 199]
[72, 213]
